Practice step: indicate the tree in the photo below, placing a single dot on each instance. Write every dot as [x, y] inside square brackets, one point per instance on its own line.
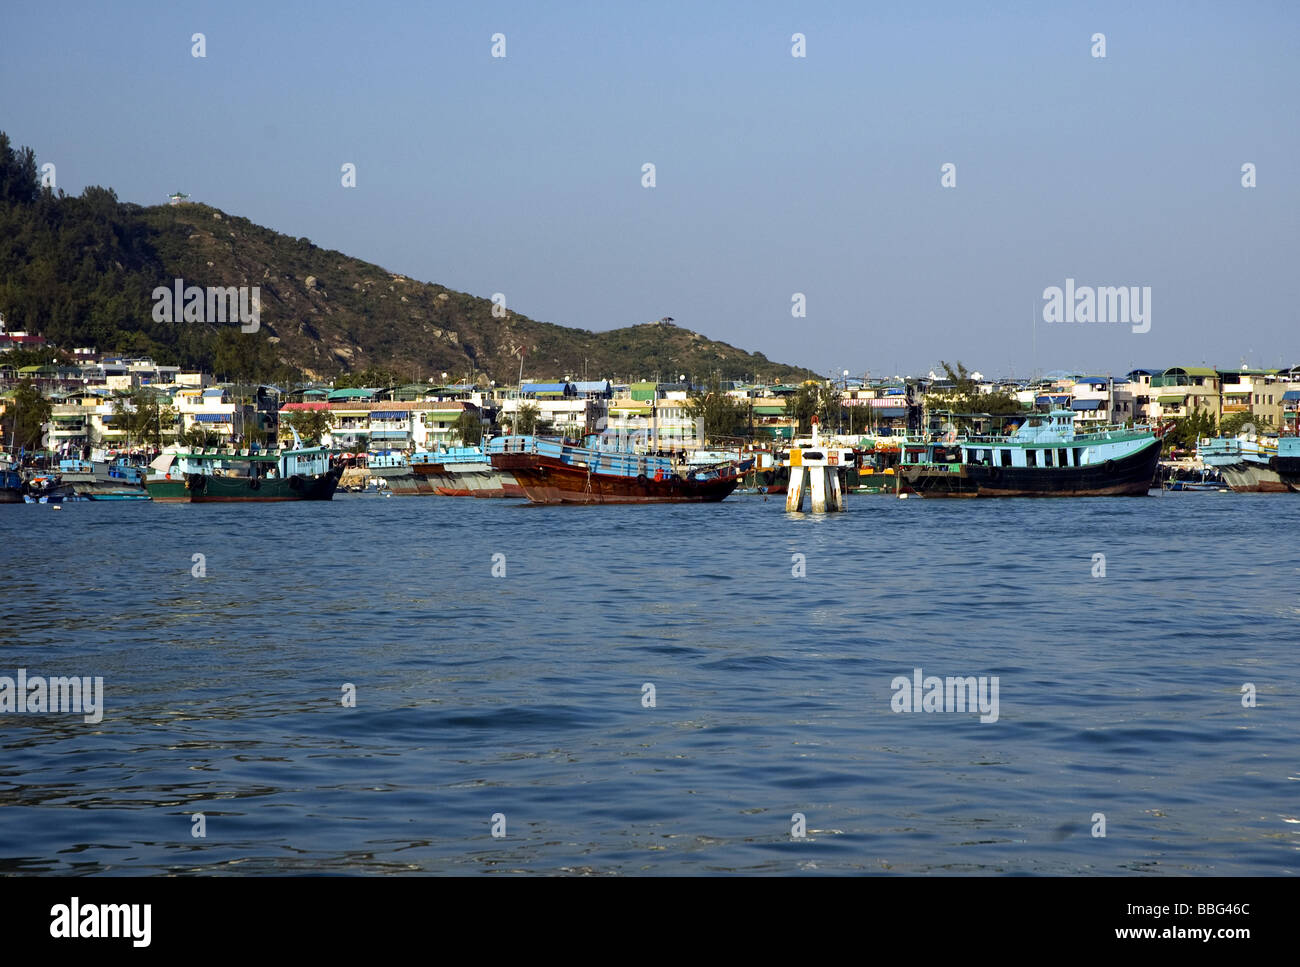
[723, 415]
[366, 379]
[964, 396]
[801, 405]
[25, 414]
[1233, 424]
[144, 417]
[469, 428]
[830, 409]
[816, 399]
[197, 438]
[310, 424]
[1187, 430]
[18, 181]
[35, 356]
[526, 419]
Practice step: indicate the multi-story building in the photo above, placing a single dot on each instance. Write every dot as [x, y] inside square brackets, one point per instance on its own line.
[1258, 392]
[1181, 391]
[386, 424]
[564, 408]
[1138, 390]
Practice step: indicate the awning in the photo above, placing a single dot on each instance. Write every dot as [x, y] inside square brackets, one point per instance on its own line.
[1236, 392]
[1086, 404]
[1291, 394]
[389, 415]
[388, 434]
[1170, 400]
[891, 411]
[1054, 398]
[212, 417]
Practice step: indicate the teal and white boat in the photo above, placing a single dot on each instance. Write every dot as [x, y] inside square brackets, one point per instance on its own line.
[1044, 457]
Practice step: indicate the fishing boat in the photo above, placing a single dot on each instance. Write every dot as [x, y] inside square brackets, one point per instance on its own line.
[766, 475]
[1044, 457]
[46, 488]
[554, 472]
[1178, 478]
[242, 476]
[458, 472]
[1247, 465]
[1207, 486]
[96, 480]
[11, 480]
[397, 474]
[1287, 461]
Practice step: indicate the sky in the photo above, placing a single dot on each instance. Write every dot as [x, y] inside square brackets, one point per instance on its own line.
[774, 174]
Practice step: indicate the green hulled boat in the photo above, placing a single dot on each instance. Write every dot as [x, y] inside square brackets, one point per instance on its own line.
[224, 476]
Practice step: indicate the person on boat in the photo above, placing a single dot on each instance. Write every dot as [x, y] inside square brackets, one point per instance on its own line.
[659, 475]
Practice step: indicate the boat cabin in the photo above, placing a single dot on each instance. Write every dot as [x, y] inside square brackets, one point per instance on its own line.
[1043, 440]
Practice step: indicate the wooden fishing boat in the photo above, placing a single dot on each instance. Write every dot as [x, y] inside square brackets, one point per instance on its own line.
[552, 472]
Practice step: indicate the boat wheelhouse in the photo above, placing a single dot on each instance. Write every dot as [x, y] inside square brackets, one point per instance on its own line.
[1044, 457]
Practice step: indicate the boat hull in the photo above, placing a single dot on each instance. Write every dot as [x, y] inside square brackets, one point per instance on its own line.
[198, 488]
[1251, 478]
[1288, 471]
[467, 480]
[1130, 476]
[546, 480]
[11, 487]
[404, 482]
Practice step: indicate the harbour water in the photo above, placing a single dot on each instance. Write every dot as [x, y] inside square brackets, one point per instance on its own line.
[521, 696]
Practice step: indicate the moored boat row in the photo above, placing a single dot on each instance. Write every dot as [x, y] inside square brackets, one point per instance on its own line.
[1044, 456]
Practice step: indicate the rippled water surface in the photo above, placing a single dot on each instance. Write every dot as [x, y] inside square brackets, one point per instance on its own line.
[522, 695]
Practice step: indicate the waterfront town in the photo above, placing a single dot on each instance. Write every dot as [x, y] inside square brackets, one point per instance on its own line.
[100, 409]
[91, 396]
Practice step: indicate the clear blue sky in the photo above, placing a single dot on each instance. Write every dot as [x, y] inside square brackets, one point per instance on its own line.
[775, 175]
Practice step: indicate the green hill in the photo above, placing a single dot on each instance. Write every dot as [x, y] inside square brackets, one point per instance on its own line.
[81, 271]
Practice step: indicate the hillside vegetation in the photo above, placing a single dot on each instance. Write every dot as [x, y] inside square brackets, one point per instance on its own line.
[81, 271]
